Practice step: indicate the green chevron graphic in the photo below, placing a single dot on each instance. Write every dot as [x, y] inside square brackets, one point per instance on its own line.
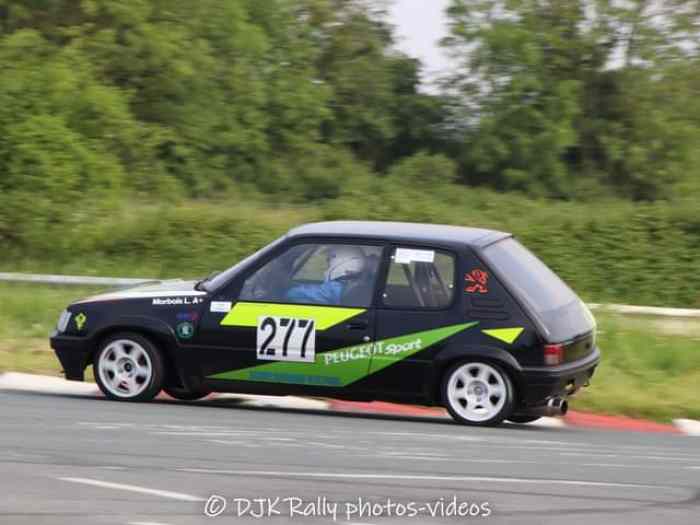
[344, 366]
[507, 335]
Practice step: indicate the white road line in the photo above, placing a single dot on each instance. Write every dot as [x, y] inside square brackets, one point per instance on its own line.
[460, 460]
[411, 477]
[134, 488]
[631, 456]
[324, 445]
[421, 457]
[199, 434]
[145, 523]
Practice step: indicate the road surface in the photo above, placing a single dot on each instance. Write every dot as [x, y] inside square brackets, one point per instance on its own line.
[85, 460]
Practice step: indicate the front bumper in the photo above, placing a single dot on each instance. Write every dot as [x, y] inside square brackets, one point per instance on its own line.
[73, 353]
[541, 383]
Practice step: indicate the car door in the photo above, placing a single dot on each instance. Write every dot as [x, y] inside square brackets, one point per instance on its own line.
[415, 315]
[302, 317]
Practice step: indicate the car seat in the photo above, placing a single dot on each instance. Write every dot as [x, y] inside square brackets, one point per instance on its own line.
[358, 288]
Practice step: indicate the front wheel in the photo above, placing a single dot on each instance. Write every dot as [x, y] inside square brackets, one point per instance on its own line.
[128, 367]
[477, 393]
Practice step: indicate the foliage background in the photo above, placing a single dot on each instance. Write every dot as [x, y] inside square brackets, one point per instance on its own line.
[163, 137]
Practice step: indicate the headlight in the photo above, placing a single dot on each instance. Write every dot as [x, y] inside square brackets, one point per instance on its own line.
[63, 321]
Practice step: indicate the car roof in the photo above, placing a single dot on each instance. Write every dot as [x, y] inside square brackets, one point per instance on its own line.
[401, 231]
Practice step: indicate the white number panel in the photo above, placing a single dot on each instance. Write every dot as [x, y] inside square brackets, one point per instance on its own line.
[286, 339]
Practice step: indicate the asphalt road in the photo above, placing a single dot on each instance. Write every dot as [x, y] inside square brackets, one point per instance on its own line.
[72, 460]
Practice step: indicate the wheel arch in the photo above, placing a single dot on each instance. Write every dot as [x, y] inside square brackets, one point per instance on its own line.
[490, 354]
[158, 332]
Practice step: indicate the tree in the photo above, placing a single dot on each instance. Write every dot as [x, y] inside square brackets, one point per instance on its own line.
[561, 97]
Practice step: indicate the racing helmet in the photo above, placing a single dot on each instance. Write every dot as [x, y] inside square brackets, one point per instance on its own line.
[344, 261]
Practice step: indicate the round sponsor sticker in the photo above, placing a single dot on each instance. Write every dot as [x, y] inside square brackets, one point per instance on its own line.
[185, 330]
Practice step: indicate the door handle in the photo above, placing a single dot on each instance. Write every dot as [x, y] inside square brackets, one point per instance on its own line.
[358, 325]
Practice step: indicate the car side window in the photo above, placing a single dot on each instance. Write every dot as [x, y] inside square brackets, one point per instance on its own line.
[332, 274]
[419, 278]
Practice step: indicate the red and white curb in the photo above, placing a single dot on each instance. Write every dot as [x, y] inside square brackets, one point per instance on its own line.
[46, 384]
[572, 419]
[56, 385]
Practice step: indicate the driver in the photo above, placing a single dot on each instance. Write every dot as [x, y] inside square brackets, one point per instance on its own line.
[345, 263]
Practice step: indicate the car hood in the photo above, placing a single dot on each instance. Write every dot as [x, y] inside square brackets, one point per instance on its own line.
[162, 289]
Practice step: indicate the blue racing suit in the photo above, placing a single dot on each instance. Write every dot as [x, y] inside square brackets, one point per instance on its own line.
[328, 292]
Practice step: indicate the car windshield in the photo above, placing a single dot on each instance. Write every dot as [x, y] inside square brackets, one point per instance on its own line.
[558, 307]
[225, 276]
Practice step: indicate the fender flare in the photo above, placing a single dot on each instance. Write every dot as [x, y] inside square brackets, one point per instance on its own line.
[456, 352]
[151, 327]
[139, 324]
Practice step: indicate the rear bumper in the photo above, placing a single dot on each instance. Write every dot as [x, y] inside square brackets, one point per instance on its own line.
[73, 353]
[542, 383]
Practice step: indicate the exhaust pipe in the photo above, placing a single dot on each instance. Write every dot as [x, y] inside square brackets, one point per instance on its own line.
[556, 406]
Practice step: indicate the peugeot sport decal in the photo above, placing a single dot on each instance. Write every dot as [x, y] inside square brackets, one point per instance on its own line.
[344, 366]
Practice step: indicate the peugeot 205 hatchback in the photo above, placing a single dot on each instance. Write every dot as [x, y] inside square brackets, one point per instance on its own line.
[438, 315]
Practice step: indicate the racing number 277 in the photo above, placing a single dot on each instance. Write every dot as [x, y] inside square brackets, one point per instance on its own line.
[286, 339]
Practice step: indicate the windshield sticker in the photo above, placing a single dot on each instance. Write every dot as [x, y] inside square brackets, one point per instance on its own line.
[407, 256]
[222, 307]
[478, 281]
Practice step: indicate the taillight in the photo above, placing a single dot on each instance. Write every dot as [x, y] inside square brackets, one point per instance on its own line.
[553, 354]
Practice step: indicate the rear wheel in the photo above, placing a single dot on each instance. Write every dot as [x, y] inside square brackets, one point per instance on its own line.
[128, 367]
[477, 393]
[184, 394]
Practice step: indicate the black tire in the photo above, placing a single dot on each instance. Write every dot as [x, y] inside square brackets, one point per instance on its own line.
[184, 394]
[460, 415]
[523, 419]
[131, 341]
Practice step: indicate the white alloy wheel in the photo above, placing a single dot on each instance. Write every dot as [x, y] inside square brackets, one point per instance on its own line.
[125, 368]
[478, 393]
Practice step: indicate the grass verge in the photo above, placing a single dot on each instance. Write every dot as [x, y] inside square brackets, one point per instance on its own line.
[649, 369]
[28, 314]
[646, 371]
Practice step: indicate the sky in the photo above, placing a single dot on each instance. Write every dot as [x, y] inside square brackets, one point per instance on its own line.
[420, 24]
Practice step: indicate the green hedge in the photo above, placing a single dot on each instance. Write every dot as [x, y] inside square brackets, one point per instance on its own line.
[609, 251]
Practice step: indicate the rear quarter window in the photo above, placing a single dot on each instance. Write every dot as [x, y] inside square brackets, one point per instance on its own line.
[559, 309]
[531, 278]
[424, 281]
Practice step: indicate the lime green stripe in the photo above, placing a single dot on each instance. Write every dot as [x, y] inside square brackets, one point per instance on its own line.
[507, 335]
[344, 366]
[246, 314]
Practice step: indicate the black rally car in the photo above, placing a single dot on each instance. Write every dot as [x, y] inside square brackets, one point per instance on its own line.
[437, 315]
